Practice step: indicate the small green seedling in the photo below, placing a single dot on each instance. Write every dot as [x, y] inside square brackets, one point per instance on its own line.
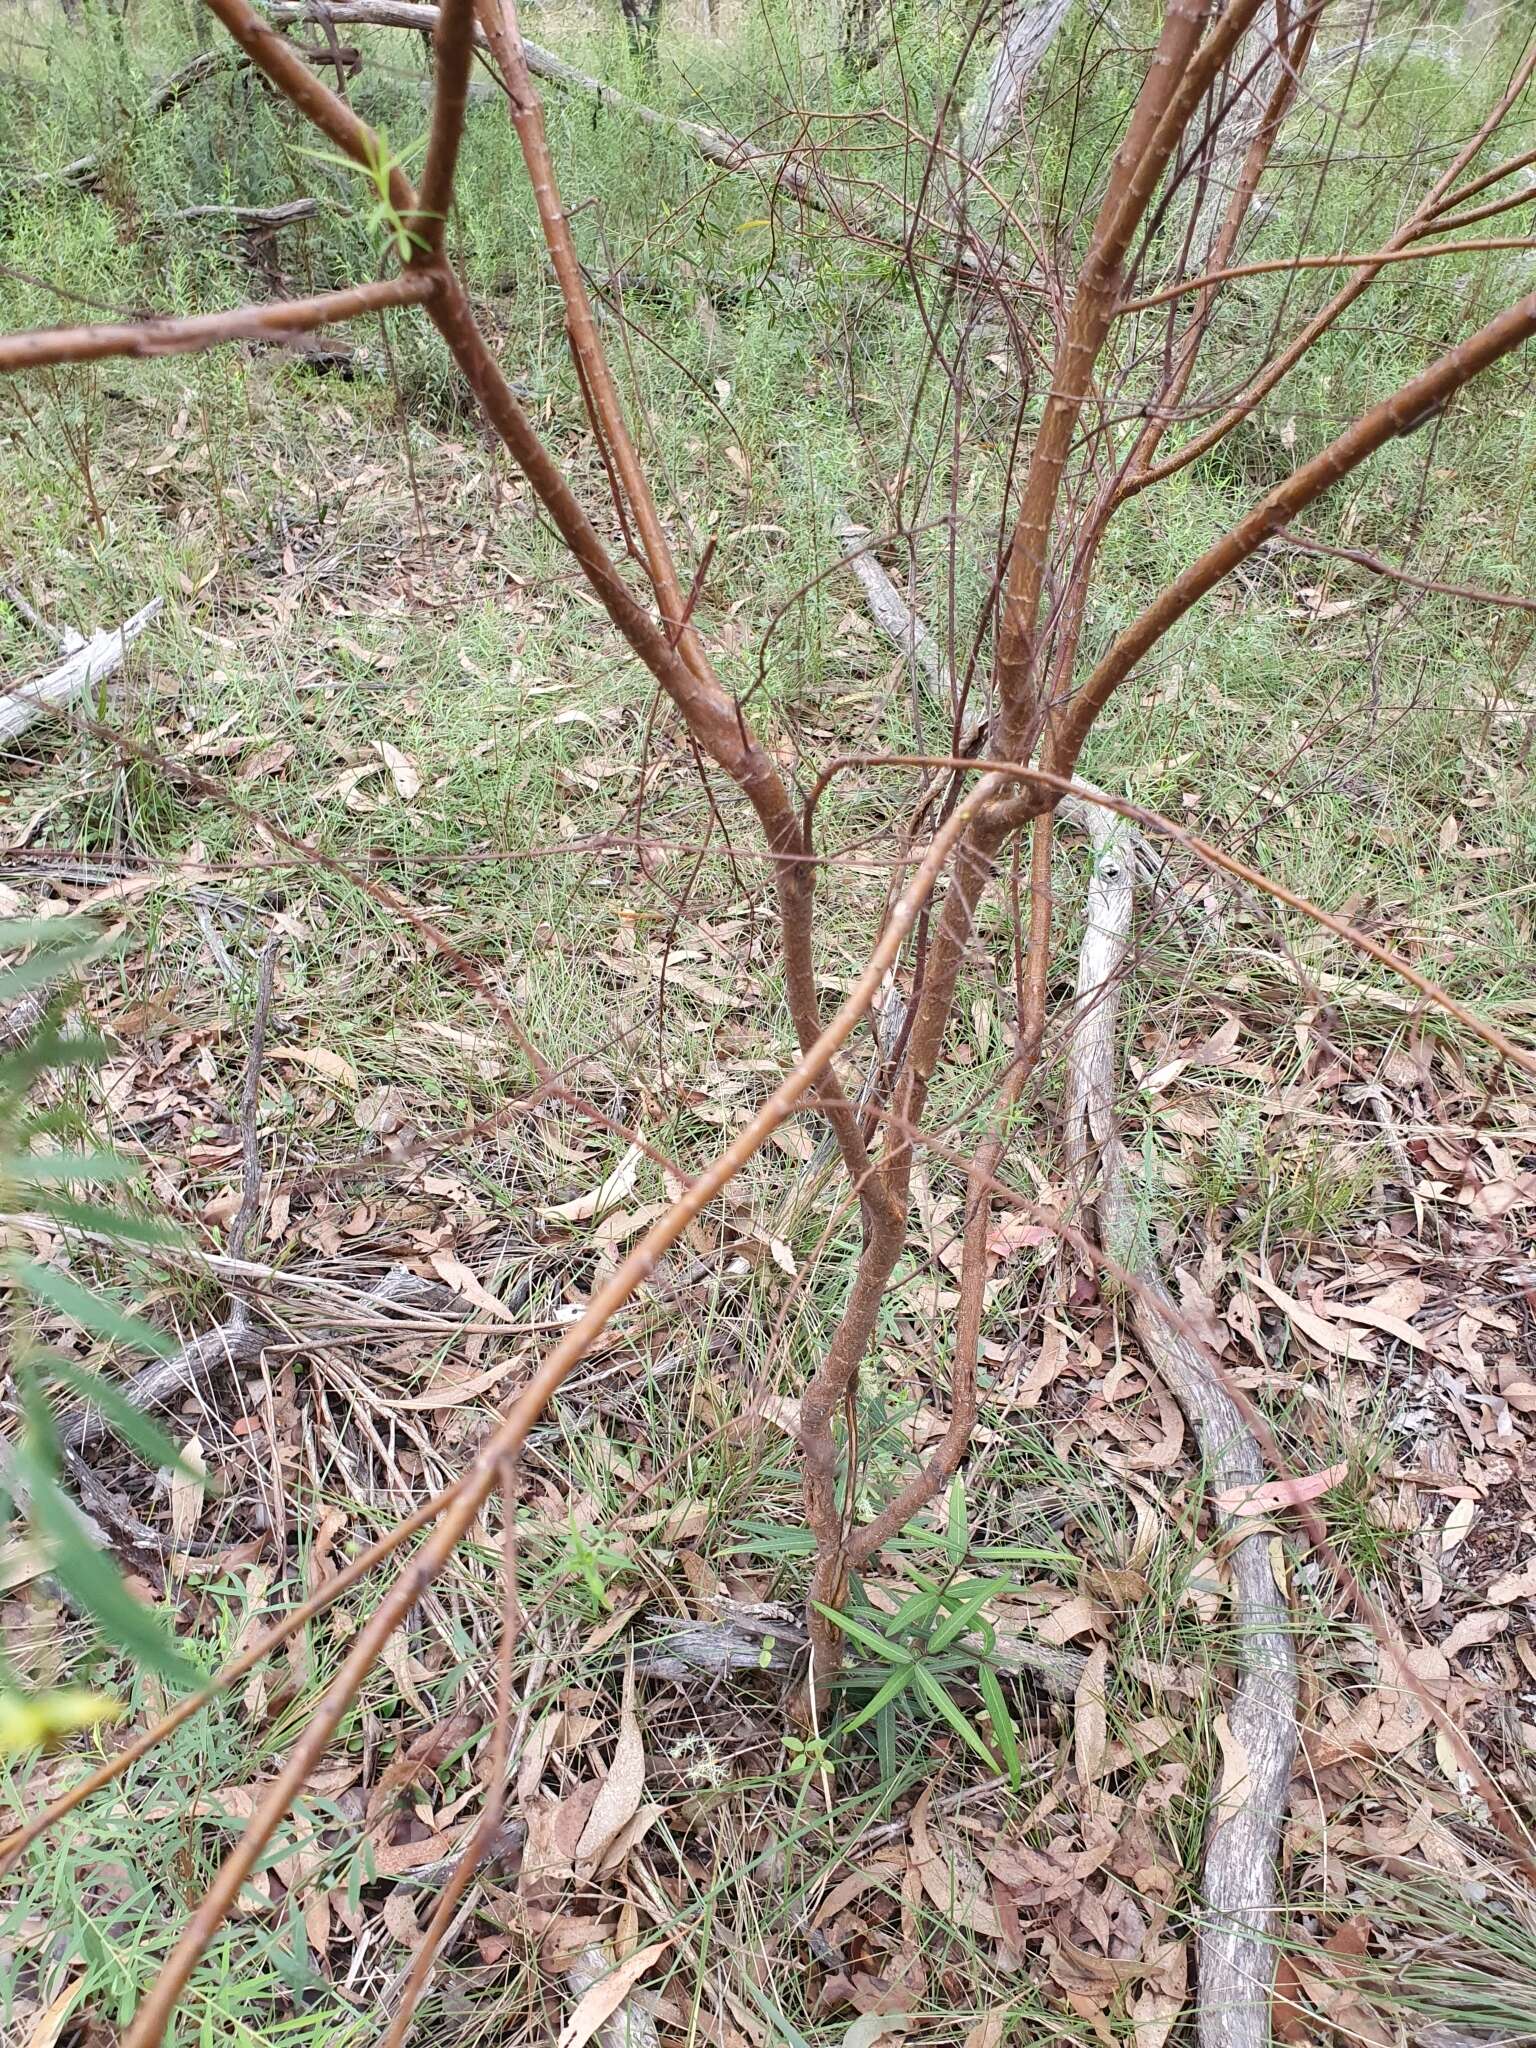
[377, 166]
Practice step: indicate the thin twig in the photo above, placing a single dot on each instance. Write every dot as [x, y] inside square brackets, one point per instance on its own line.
[1363, 559]
[250, 1106]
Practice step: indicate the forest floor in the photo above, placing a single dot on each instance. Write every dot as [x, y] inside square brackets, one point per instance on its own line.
[368, 641]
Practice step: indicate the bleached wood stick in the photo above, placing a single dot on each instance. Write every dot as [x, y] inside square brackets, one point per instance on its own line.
[92, 659]
[998, 102]
[1241, 1918]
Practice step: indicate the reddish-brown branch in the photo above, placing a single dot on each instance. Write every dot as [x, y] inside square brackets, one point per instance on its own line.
[278, 60]
[497, 1762]
[1365, 560]
[1175, 81]
[834, 1384]
[500, 28]
[713, 718]
[1477, 245]
[506, 1441]
[1046, 785]
[1408, 407]
[357, 1568]
[453, 47]
[168, 336]
[733, 153]
[926, 1484]
[1280, 366]
[1238, 208]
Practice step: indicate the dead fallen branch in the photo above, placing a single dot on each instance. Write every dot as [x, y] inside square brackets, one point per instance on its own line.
[889, 609]
[1258, 1732]
[716, 145]
[88, 663]
[253, 220]
[997, 104]
[756, 1637]
[85, 171]
[236, 1345]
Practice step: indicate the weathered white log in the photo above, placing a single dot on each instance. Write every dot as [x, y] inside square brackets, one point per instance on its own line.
[714, 144]
[1240, 1919]
[889, 609]
[997, 104]
[88, 662]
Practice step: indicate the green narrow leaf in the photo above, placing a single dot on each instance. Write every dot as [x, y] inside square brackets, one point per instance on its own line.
[955, 1532]
[54, 955]
[885, 1742]
[942, 1704]
[966, 1611]
[69, 1169]
[129, 1422]
[872, 1640]
[149, 1230]
[48, 1050]
[94, 1312]
[91, 1578]
[914, 1614]
[896, 1684]
[1001, 1721]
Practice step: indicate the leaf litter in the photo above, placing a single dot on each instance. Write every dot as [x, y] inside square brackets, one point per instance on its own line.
[1400, 1346]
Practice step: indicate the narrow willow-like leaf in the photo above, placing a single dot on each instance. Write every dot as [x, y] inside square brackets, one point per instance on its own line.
[49, 1050]
[1001, 1722]
[942, 1704]
[127, 1421]
[69, 1169]
[964, 1612]
[149, 1230]
[894, 1686]
[94, 1312]
[871, 1639]
[87, 1575]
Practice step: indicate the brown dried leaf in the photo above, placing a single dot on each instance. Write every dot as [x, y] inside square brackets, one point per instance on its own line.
[403, 772]
[606, 1195]
[619, 1799]
[987, 2033]
[604, 1998]
[1276, 1494]
[321, 1060]
[1160, 1997]
[951, 1877]
[187, 1493]
[1090, 1728]
[1316, 1328]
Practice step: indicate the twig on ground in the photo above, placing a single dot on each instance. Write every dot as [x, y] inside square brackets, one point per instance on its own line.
[889, 609]
[87, 664]
[752, 1637]
[256, 220]
[85, 171]
[235, 1344]
[250, 1105]
[1237, 1935]
[715, 145]
[223, 958]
